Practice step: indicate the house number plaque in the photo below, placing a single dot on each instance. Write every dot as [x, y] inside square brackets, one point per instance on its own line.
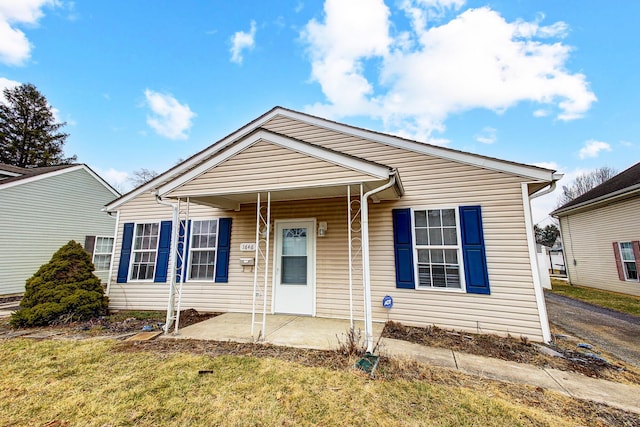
[247, 247]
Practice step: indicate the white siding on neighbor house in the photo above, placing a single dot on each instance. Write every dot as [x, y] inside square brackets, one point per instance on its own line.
[428, 182]
[587, 239]
[39, 217]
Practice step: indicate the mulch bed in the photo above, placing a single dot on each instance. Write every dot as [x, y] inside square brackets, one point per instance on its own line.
[586, 362]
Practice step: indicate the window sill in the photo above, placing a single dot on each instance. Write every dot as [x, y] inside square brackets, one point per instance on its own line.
[447, 290]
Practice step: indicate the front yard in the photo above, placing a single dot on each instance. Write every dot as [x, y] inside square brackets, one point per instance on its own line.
[104, 382]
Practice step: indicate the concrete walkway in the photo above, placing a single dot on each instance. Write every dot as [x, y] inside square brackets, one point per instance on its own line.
[327, 334]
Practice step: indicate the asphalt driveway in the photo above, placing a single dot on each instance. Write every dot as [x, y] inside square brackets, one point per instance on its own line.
[617, 333]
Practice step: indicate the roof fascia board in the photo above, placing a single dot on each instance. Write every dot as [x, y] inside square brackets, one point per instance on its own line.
[377, 171]
[422, 148]
[599, 201]
[41, 176]
[101, 181]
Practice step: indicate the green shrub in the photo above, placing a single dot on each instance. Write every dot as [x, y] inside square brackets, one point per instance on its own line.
[62, 290]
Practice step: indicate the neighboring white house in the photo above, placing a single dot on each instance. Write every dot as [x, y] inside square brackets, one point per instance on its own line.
[43, 209]
[303, 215]
[601, 234]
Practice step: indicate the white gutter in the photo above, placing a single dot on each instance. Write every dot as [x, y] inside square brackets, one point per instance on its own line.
[368, 321]
[170, 272]
[543, 192]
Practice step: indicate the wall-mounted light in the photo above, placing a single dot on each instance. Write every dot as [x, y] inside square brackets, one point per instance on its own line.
[322, 228]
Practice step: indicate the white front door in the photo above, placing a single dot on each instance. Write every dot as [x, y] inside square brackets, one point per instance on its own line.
[294, 289]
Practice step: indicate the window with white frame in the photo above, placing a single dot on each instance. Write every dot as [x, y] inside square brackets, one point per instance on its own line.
[202, 254]
[102, 253]
[437, 247]
[145, 249]
[628, 261]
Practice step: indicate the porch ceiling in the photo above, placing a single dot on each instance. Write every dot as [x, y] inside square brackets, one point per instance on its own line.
[226, 200]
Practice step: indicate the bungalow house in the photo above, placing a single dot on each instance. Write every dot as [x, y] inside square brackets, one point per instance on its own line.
[43, 208]
[600, 234]
[298, 214]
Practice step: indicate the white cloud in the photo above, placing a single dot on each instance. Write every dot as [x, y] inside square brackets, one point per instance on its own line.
[170, 118]
[15, 48]
[487, 135]
[117, 179]
[6, 84]
[421, 76]
[242, 41]
[592, 148]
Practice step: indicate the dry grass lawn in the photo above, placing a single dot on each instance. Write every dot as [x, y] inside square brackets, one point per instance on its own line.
[98, 382]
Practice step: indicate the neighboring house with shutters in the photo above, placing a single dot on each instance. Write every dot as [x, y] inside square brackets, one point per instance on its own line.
[42, 209]
[601, 233]
[313, 217]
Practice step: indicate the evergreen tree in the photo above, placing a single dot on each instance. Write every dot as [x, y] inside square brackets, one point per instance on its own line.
[64, 289]
[548, 235]
[29, 133]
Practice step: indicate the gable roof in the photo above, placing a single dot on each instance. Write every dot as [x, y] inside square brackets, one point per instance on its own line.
[624, 184]
[534, 173]
[35, 174]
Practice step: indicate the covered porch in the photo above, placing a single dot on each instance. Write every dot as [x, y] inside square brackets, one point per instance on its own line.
[284, 244]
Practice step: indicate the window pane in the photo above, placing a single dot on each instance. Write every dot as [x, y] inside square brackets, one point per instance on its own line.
[437, 256]
[448, 217]
[294, 270]
[435, 236]
[102, 262]
[434, 218]
[424, 276]
[421, 236]
[450, 237]
[439, 280]
[631, 270]
[451, 256]
[294, 241]
[420, 218]
[423, 256]
[453, 277]
[626, 251]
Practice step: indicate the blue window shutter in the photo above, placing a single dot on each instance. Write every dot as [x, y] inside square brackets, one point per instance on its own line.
[125, 253]
[164, 249]
[183, 239]
[475, 259]
[224, 249]
[403, 249]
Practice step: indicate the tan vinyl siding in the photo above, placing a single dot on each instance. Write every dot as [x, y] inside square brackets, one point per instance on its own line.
[587, 239]
[428, 182]
[39, 217]
[331, 260]
[272, 167]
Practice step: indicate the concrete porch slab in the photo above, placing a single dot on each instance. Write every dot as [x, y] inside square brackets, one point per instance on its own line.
[286, 330]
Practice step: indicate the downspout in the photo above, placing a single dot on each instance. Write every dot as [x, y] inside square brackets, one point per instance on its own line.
[533, 258]
[368, 321]
[171, 273]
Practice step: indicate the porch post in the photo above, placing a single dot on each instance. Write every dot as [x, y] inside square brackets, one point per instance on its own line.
[366, 274]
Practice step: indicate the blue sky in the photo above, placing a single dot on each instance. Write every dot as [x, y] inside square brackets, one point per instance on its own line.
[142, 84]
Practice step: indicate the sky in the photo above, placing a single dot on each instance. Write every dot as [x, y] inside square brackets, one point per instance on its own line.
[146, 83]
